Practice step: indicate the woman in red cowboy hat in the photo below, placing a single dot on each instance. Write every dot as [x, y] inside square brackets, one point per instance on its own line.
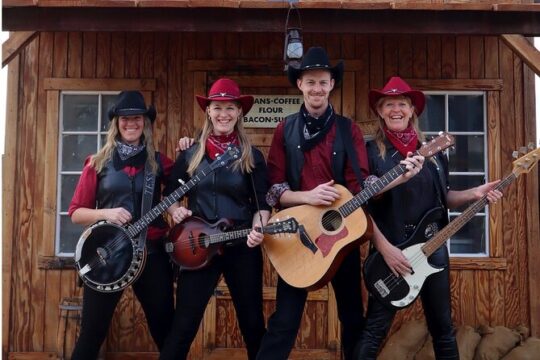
[400, 209]
[235, 193]
[110, 188]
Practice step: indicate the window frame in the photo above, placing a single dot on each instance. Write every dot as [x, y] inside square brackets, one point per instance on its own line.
[485, 173]
[59, 172]
[53, 88]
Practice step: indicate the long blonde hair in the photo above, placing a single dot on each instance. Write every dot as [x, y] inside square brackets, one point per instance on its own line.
[245, 163]
[380, 135]
[105, 154]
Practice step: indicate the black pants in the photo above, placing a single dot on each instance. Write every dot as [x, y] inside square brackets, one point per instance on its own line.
[435, 297]
[284, 323]
[242, 269]
[154, 290]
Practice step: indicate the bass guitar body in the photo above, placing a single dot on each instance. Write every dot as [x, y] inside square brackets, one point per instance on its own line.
[192, 248]
[107, 258]
[400, 291]
[310, 257]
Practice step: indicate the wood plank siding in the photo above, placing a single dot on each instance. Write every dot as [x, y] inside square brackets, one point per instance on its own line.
[171, 67]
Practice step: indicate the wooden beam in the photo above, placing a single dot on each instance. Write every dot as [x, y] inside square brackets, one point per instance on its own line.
[99, 84]
[16, 42]
[484, 263]
[9, 186]
[525, 50]
[361, 21]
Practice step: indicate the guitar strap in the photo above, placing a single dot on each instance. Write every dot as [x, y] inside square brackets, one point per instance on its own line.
[345, 132]
[256, 199]
[147, 196]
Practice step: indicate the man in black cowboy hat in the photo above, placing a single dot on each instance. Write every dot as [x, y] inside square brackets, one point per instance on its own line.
[311, 151]
[307, 156]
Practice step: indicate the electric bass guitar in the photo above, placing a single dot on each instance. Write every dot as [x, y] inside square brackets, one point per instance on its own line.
[401, 291]
[194, 242]
[309, 258]
[110, 257]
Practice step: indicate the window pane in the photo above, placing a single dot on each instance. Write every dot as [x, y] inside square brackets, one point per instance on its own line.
[75, 150]
[107, 101]
[467, 154]
[462, 182]
[471, 238]
[432, 119]
[69, 182]
[466, 113]
[69, 234]
[80, 112]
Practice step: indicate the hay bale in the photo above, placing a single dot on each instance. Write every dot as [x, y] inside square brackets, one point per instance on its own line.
[405, 342]
[426, 352]
[528, 350]
[496, 342]
[467, 339]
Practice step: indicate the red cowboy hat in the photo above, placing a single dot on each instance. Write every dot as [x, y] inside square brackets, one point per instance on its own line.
[396, 86]
[226, 90]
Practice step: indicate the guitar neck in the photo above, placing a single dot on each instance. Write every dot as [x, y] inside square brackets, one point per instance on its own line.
[160, 208]
[228, 236]
[455, 225]
[368, 192]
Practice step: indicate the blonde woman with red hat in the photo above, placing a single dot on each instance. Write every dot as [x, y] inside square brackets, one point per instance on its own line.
[399, 210]
[237, 193]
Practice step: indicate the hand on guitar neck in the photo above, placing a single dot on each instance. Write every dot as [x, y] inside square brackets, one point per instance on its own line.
[326, 194]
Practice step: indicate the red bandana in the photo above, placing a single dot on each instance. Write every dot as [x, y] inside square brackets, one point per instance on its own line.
[217, 144]
[404, 141]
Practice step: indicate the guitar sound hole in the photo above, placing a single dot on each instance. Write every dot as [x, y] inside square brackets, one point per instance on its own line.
[332, 220]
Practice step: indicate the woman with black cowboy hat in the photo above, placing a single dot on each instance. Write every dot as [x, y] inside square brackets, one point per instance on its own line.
[235, 193]
[398, 210]
[307, 156]
[110, 188]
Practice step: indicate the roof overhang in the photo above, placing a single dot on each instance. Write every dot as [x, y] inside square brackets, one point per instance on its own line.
[219, 19]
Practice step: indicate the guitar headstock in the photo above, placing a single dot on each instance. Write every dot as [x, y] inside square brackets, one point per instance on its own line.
[232, 153]
[285, 226]
[437, 144]
[525, 163]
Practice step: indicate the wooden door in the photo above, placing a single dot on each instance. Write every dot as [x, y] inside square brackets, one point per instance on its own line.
[219, 335]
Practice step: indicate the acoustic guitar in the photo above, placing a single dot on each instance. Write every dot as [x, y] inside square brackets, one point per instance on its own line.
[309, 258]
[401, 291]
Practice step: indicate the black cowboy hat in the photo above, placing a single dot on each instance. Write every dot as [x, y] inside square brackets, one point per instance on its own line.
[315, 58]
[130, 103]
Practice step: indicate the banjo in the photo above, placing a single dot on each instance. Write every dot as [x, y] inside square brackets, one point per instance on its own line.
[110, 257]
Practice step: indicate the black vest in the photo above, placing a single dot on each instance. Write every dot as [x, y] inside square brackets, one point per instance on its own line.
[293, 132]
[118, 189]
[225, 193]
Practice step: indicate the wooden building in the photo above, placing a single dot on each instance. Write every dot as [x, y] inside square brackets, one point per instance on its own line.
[67, 58]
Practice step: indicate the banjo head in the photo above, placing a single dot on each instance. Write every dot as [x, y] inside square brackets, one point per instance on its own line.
[106, 257]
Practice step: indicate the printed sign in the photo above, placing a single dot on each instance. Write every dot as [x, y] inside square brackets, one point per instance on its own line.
[269, 110]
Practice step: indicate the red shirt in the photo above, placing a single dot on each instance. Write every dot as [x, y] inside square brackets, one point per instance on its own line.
[317, 161]
[85, 192]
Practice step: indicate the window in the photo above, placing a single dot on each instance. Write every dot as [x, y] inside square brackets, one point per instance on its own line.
[463, 114]
[83, 127]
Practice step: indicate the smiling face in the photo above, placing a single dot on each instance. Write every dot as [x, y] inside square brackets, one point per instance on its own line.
[316, 86]
[224, 115]
[396, 112]
[131, 128]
